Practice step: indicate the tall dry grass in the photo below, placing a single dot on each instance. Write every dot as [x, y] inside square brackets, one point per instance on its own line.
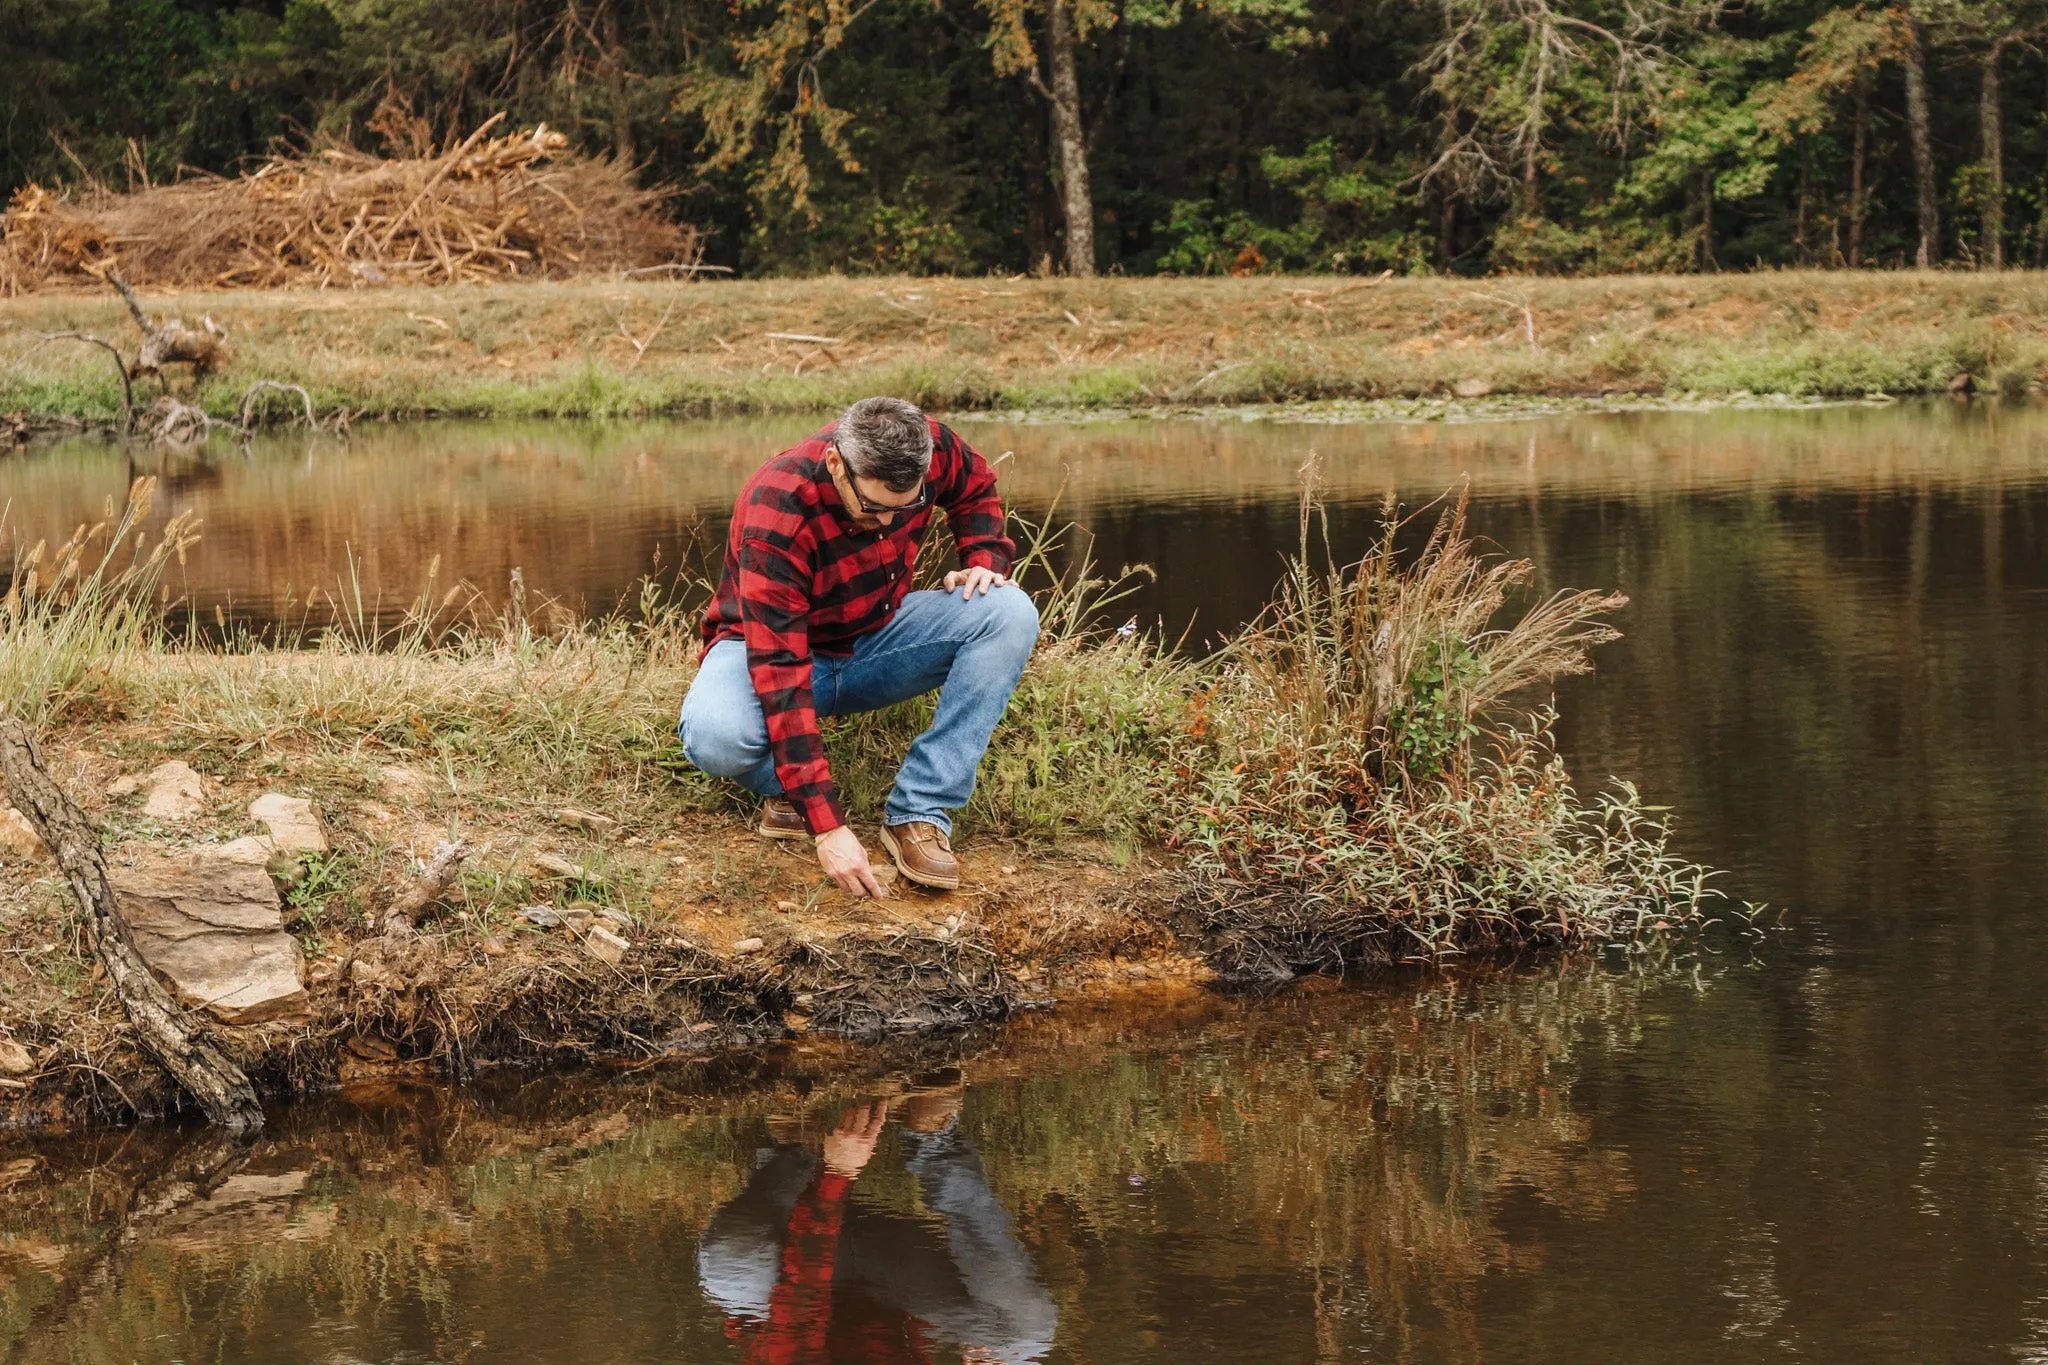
[1369, 774]
[75, 615]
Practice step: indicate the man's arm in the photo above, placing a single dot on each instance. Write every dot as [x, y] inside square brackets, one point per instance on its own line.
[775, 607]
[973, 509]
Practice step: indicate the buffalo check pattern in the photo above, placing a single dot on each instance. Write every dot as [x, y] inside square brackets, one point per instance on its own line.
[800, 579]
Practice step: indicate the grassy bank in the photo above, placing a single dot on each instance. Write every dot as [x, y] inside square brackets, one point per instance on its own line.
[621, 348]
[1354, 781]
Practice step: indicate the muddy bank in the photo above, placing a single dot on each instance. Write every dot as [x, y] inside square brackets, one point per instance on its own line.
[622, 939]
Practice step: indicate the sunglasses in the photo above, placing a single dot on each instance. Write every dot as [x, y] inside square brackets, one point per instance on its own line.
[876, 509]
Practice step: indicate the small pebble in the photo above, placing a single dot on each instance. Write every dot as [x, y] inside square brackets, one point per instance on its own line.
[748, 945]
[785, 905]
[492, 946]
[1009, 871]
[546, 916]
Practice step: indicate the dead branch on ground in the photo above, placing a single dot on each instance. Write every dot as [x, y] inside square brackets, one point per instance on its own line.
[165, 1031]
[431, 884]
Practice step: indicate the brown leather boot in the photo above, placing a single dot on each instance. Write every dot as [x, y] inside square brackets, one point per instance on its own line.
[922, 854]
[781, 820]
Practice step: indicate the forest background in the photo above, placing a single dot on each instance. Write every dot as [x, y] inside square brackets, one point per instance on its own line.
[1133, 136]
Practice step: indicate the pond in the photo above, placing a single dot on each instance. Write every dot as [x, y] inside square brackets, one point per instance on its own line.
[1833, 1145]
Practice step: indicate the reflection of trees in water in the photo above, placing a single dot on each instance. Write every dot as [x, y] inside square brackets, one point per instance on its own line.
[1346, 1154]
[1350, 1150]
[586, 509]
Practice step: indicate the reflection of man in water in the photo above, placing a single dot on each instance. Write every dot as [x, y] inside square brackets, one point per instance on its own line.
[805, 1274]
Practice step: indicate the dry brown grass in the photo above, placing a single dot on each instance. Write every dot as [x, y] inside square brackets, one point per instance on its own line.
[616, 347]
[518, 205]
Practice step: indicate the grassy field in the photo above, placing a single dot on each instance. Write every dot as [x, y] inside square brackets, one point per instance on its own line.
[618, 348]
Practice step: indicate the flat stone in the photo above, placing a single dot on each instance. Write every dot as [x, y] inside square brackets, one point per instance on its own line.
[123, 787]
[1472, 388]
[546, 916]
[18, 839]
[294, 823]
[15, 1060]
[605, 945]
[173, 791]
[747, 945]
[212, 930]
[586, 819]
[555, 865]
[254, 850]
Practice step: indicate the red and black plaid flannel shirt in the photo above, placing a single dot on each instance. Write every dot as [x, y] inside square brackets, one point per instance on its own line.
[800, 579]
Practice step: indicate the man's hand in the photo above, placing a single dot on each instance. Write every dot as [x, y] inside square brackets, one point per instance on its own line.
[846, 863]
[968, 582]
[852, 1143]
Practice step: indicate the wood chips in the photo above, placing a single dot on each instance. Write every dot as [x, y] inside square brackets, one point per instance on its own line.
[517, 206]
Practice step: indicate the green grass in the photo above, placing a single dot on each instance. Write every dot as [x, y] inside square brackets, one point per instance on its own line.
[634, 348]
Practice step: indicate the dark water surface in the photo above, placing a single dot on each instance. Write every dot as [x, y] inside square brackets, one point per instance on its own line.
[1835, 673]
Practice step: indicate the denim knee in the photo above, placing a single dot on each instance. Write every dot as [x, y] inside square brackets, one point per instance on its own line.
[1013, 616]
[721, 745]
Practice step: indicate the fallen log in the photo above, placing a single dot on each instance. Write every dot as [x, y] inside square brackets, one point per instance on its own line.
[167, 1034]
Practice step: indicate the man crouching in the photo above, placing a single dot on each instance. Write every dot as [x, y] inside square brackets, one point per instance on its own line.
[814, 617]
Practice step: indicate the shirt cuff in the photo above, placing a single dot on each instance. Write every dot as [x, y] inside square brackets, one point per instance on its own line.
[987, 559]
[822, 813]
[831, 1187]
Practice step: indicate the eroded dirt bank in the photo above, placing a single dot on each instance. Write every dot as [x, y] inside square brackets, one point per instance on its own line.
[731, 941]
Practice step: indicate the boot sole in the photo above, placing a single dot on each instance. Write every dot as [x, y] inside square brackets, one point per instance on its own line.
[768, 831]
[923, 879]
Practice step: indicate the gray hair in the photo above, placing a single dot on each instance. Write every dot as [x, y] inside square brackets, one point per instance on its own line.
[886, 439]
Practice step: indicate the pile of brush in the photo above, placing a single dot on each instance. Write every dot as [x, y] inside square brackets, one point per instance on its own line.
[487, 208]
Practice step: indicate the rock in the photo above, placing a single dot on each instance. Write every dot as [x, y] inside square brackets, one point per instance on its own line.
[555, 865]
[603, 944]
[18, 839]
[15, 1060]
[1472, 388]
[294, 824]
[579, 918]
[409, 786]
[493, 946]
[376, 812]
[173, 791]
[585, 819]
[546, 916]
[213, 930]
[617, 918]
[1962, 384]
[251, 850]
[121, 788]
[747, 945]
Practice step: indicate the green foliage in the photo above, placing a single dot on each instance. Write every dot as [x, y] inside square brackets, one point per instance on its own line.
[1430, 726]
[1324, 135]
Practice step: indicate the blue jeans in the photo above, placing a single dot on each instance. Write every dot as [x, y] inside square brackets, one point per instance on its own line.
[973, 652]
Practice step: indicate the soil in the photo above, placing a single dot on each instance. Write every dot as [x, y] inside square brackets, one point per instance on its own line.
[736, 942]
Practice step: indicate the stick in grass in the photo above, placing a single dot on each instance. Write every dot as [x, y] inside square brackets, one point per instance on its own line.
[165, 1031]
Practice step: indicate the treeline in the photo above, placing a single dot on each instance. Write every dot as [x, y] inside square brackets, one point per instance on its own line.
[1191, 136]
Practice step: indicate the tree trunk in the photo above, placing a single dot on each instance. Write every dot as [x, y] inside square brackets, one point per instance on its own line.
[1992, 256]
[1065, 99]
[1799, 243]
[163, 1029]
[1707, 261]
[615, 79]
[1447, 231]
[1532, 206]
[1859, 203]
[1038, 243]
[1920, 131]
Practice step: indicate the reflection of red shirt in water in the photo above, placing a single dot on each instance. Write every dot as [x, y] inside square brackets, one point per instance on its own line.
[804, 1325]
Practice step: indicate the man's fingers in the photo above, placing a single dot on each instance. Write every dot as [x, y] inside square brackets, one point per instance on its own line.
[874, 887]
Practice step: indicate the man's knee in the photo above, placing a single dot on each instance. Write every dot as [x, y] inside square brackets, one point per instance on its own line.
[1013, 616]
[715, 745]
[724, 741]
